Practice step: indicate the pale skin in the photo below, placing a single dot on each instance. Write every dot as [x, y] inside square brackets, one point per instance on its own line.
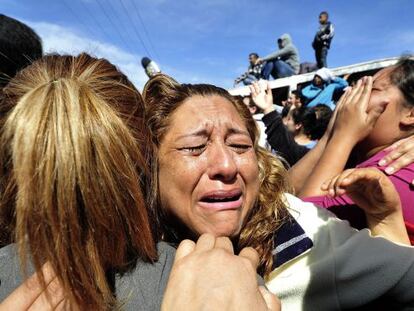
[206, 275]
[383, 218]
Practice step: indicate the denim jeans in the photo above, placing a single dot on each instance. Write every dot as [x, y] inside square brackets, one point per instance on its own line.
[278, 69]
[321, 55]
[249, 80]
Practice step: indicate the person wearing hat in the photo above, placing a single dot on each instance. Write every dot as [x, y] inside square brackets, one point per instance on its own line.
[282, 63]
[322, 88]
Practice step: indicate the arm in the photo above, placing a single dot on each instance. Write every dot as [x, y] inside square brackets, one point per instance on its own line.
[283, 51]
[299, 173]
[376, 195]
[345, 136]
[329, 32]
[340, 83]
[279, 138]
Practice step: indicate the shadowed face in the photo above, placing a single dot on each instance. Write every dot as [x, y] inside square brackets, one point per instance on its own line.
[208, 171]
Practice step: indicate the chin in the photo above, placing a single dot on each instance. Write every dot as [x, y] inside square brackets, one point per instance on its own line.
[228, 231]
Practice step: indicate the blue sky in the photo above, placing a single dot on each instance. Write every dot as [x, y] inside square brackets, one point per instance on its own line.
[208, 41]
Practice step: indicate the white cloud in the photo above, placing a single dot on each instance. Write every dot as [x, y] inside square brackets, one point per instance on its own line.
[59, 39]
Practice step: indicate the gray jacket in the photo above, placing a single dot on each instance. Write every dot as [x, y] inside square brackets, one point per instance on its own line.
[288, 53]
[141, 289]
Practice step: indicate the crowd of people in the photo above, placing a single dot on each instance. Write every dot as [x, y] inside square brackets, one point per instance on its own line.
[285, 62]
[175, 199]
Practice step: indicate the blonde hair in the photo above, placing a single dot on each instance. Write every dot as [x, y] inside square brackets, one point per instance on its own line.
[71, 170]
[162, 96]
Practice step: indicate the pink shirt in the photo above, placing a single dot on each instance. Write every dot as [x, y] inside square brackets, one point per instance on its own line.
[402, 182]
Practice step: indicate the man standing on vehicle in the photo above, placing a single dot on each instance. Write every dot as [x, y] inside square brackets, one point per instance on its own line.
[322, 40]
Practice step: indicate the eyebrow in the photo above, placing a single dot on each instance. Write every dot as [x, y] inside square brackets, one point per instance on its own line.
[237, 131]
[205, 133]
[202, 133]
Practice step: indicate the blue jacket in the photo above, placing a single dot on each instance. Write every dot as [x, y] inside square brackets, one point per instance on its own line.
[316, 95]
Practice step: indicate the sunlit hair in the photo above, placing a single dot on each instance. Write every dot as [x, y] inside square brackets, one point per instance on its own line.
[71, 169]
[162, 96]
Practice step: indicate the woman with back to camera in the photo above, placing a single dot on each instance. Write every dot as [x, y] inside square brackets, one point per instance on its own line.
[73, 165]
[209, 175]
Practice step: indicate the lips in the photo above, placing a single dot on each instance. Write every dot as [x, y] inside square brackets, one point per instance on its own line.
[221, 199]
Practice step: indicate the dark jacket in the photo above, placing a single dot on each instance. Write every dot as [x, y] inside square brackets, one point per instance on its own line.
[323, 36]
[281, 140]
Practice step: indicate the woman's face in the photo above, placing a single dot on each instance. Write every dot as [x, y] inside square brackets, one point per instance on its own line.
[208, 170]
[387, 129]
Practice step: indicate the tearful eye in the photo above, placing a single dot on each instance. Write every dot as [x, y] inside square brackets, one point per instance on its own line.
[193, 149]
[240, 148]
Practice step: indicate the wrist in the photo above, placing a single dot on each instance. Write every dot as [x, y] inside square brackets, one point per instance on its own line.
[268, 109]
[390, 225]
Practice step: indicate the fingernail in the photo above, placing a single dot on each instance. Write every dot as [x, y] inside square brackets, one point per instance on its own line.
[345, 180]
[331, 192]
[389, 170]
[382, 163]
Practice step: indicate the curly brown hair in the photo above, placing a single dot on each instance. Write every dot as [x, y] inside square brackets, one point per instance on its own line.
[162, 96]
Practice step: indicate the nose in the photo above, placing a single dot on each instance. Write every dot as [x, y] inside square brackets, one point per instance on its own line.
[222, 164]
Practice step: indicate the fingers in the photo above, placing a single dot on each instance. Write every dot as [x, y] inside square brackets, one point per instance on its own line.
[401, 155]
[365, 93]
[205, 243]
[31, 295]
[251, 255]
[49, 299]
[185, 248]
[336, 186]
[224, 243]
[272, 302]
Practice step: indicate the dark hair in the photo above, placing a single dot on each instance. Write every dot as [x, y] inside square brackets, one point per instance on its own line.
[145, 61]
[402, 76]
[324, 13]
[285, 110]
[19, 47]
[298, 114]
[254, 54]
[322, 116]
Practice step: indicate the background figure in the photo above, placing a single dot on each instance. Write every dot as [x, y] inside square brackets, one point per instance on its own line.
[282, 63]
[322, 89]
[322, 40]
[257, 114]
[253, 73]
[19, 47]
[151, 67]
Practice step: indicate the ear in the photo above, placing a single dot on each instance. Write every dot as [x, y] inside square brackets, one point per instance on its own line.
[298, 127]
[408, 117]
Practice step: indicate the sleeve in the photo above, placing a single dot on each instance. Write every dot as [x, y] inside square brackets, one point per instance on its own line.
[142, 289]
[281, 140]
[310, 92]
[340, 83]
[281, 52]
[328, 33]
[360, 268]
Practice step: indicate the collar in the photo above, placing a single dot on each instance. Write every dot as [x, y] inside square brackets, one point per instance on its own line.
[290, 241]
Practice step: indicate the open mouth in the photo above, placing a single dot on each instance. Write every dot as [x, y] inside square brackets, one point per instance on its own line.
[222, 200]
[212, 199]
